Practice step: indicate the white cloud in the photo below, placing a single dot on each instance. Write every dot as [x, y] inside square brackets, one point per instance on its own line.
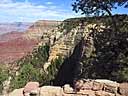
[5, 1]
[26, 11]
[49, 3]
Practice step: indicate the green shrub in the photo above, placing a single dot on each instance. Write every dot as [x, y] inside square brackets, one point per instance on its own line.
[27, 73]
[53, 69]
[111, 60]
[3, 77]
[31, 68]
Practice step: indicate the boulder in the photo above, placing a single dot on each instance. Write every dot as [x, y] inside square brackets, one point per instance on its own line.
[103, 93]
[17, 92]
[86, 93]
[26, 94]
[67, 89]
[31, 88]
[97, 86]
[109, 86]
[123, 89]
[84, 87]
[112, 88]
[51, 91]
[78, 85]
[71, 95]
[87, 85]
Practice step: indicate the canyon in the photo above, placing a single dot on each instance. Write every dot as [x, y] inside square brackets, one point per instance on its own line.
[19, 39]
[56, 53]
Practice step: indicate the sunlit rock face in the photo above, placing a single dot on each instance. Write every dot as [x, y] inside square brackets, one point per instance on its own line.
[16, 44]
[14, 47]
[40, 28]
[106, 89]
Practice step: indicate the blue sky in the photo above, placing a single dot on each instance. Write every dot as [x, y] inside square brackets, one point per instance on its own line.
[33, 10]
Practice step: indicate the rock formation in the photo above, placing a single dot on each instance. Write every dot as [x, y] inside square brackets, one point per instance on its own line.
[66, 53]
[14, 45]
[99, 87]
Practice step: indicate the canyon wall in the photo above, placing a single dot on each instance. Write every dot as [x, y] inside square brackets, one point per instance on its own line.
[15, 45]
[77, 48]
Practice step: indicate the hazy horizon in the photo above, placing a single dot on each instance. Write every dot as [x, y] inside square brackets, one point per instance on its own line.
[33, 10]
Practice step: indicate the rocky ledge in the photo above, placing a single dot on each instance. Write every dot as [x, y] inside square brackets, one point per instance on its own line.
[82, 87]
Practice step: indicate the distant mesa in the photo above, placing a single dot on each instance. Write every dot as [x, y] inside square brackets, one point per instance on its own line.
[16, 26]
[18, 39]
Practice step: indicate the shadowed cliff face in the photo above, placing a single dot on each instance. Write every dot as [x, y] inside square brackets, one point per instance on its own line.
[70, 68]
[101, 59]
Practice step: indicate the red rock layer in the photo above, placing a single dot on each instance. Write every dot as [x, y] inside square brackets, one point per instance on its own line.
[14, 46]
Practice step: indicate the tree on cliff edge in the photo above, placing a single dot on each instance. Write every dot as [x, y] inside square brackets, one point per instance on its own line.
[98, 7]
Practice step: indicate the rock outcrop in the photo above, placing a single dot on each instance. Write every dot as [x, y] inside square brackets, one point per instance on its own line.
[123, 89]
[41, 28]
[31, 88]
[16, 92]
[88, 88]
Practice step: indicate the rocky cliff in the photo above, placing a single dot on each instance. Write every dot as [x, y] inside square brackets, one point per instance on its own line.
[77, 48]
[15, 45]
[40, 28]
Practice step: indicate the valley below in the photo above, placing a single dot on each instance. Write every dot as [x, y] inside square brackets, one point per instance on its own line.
[74, 54]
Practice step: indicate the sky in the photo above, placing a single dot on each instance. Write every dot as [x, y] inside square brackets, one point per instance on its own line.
[33, 10]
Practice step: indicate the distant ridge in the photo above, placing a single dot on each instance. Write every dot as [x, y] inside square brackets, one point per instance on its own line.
[16, 26]
[24, 37]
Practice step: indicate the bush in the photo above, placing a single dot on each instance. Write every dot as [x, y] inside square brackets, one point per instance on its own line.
[3, 77]
[53, 69]
[111, 60]
[27, 73]
[31, 68]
